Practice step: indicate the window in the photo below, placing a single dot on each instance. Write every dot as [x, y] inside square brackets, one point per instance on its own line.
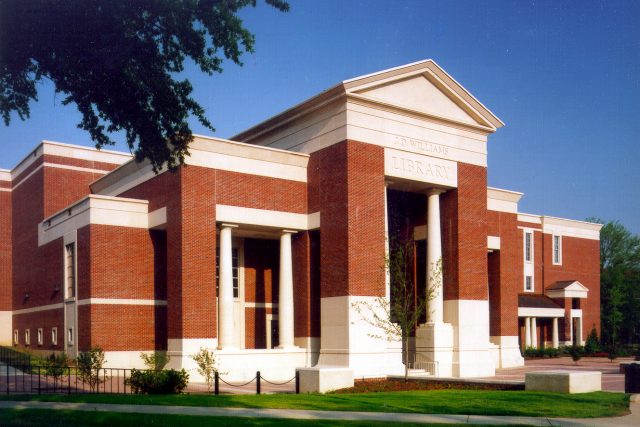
[40, 337]
[528, 236]
[70, 336]
[234, 264]
[54, 336]
[27, 337]
[70, 270]
[557, 250]
[15, 337]
[528, 283]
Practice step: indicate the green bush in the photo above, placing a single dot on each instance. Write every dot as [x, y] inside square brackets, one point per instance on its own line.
[158, 382]
[551, 352]
[89, 365]
[593, 343]
[576, 353]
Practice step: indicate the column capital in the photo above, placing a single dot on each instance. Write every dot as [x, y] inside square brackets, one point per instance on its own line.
[435, 191]
[226, 225]
[288, 231]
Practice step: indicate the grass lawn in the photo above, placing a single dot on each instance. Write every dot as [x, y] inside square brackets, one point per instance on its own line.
[40, 417]
[468, 402]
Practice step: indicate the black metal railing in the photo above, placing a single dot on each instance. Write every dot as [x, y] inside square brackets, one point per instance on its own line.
[22, 374]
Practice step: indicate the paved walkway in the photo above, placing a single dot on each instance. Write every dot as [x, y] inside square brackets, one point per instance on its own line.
[628, 420]
[612, 379]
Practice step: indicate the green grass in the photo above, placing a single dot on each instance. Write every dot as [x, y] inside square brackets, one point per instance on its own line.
[468, 402]
[64, 418]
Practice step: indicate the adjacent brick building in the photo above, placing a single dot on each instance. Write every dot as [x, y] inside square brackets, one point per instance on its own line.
[270, 248]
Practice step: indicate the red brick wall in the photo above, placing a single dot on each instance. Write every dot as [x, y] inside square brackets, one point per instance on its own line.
[464, 234]
[42, 319]
[350, 194]
[37, 271]
[5, 250]
[306, 282]
[505, 274]
[122, 327]
[581, 262]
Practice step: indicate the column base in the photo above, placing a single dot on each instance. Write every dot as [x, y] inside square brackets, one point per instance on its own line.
[506, 352]
[434, 343]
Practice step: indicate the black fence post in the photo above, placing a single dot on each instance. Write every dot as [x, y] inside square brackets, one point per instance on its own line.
[297, 382]
[39, 388]
[7, 378]
[258, 382]
[216, 383]
[68, 380]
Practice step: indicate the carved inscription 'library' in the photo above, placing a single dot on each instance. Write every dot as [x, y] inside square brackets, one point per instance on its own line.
[416, 167]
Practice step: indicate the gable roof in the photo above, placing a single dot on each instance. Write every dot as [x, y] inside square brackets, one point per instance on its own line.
[413, 88]
[567, 289]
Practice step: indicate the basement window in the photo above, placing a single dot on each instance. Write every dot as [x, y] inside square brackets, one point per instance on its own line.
[27, 337]
[54, 336]
[40, 337]
[70, 336]
[16, 337]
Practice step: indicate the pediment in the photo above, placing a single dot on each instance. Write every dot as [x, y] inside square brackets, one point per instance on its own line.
[419, 94]
[567, 289]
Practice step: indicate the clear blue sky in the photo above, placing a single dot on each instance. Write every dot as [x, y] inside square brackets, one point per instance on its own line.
[563, 76]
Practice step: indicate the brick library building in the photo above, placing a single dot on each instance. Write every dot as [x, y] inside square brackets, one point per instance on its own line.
[270, 248]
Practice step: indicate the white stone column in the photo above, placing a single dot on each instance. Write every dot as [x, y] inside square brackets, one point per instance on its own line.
[527, 332]
[285, 297]
[579, 331]
[226, 339]
[555, 341]
[534, 333]
[434, 257]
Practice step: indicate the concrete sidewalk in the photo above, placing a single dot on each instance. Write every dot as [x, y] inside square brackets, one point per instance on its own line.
[632, 420]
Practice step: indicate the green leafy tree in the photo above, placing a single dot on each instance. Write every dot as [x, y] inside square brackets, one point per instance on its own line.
[120, 61]
[89, 365]
[592, 344]
[156, 360]
[619, 284]
[397, 317]
[207, 365]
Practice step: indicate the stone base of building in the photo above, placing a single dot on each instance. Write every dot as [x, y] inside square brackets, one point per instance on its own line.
[351, 337]
[434, 343]
[321, 379]
[6, 337]
[506, 352]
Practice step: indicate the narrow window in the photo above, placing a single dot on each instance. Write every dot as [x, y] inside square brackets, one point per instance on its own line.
[40, 337]
[54, 336]
[528, 283]
[27, 337]
[15, 337]
[70, 270]
[527, 246]
[557, 250]
[234, 265]
[70, 336]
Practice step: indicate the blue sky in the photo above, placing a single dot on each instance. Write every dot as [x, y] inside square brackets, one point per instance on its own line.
[563, 76]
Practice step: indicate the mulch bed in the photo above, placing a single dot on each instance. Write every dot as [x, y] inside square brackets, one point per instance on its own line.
[393, 384]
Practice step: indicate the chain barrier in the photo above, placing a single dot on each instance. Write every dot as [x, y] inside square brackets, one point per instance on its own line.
[274, 383]
[238, 385]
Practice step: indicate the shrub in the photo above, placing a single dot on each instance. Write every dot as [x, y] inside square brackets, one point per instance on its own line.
[207, 365]
[593, 344]
[158, 382]
[56, 365]
[576, 353]
[89, 365]
[156, 360]
[551, 352]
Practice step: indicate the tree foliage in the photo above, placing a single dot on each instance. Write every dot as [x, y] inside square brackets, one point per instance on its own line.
[619, 284]
[397, 317]
[119, 61]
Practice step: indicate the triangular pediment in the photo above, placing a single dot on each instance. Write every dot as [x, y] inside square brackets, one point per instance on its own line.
[419, 94]
[567, 289]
